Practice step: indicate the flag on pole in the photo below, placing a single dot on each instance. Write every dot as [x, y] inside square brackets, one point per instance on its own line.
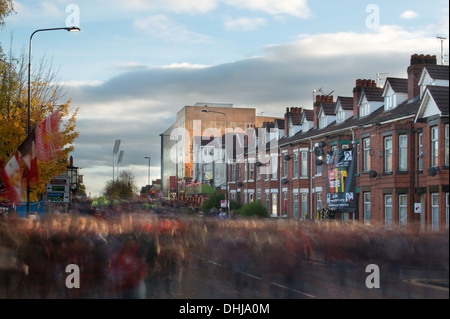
[48, 138]
[27, 152]
[12, 179]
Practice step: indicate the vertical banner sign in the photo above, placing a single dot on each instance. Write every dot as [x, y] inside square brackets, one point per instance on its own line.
[173, 184]
[341, 182]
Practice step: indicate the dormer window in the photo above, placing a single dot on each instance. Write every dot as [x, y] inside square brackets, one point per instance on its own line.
[305, 126]
[389, 102]
[340, 115]
[364, 109]
[322, 120]
[291, 129]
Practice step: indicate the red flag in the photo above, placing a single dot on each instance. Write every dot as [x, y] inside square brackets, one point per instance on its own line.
[48, 139]
[12, 179]
[27, 152]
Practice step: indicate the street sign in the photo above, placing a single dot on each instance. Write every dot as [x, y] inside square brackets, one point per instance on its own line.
[223, 203]
[59, 197]
[417, 208]
[60, 180]
[58, 189]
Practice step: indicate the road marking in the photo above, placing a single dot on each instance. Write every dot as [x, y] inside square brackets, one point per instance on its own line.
[253, 276]
[430, 283]
[299, 292]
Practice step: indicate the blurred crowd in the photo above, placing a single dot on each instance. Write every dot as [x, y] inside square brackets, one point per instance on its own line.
[142, 254]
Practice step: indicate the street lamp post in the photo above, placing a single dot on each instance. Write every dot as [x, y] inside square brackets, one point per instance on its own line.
[71, 29]
[226, 160]
[176, 163]
[148, 183]
[115, 150]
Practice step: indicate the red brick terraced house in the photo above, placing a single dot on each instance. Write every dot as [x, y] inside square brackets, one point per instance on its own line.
[398, 135]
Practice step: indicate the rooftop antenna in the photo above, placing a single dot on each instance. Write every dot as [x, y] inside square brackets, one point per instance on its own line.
[378, 76]
[442, 47]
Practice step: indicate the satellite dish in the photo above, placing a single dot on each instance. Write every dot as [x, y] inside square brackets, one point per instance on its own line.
[287, 157]
[240, 184]
[432, 171]
[322, 144]
[318, 151]
[373, 174]
[319, 162]
[284, 181]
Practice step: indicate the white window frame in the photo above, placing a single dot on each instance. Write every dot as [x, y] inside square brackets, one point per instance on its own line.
[367, 208]
[295, 164]
[245, 171]
[274, 197]
[304, 206]
[435, 211]
[388, 162]
[304, 164]
[388, 211]
[319, 199]
[364, 109]
[446, 210]
[295, 206]
[358, 158]
[323, 121]
[274, 168]
[434, 134]
[285, 166]
[251, 171]
[446, 145]
[403, 152]
[420, 164]
[402, 211]
[284, 196]
[366, 154]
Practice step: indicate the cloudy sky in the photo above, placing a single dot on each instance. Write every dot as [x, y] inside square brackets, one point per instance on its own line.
[135, 63]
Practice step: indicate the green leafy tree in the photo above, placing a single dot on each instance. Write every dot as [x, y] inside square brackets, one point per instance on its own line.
[256, 209]
[124, 188]
[214, 201]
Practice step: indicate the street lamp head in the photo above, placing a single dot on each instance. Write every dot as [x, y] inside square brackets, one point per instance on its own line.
[206, 111]
[73, 29]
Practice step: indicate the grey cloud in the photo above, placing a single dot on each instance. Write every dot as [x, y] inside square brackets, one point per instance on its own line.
[143, 103]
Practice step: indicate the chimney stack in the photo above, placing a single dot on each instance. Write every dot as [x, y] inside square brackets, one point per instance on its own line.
[357, 92]
[417, 63]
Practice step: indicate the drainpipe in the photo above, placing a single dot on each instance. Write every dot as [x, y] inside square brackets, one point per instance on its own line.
[413, 169]
[279, 183]
[355, 154]
[310, 180]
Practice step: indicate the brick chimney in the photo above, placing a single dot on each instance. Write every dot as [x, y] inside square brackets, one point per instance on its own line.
[320, 99]
[289, 111]
[316, 106]
[357, 92]
[286, 121]
[415, 70]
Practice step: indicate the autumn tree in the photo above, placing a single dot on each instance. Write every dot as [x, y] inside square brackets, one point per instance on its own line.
[46, 91]
[6, 7]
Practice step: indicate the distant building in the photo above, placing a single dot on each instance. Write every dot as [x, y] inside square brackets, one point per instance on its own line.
[177, 147]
